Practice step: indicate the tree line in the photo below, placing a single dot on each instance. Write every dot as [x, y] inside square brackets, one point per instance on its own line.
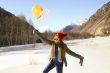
[15, 30]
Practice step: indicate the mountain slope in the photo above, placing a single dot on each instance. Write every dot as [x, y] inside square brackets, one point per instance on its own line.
[69, 28]
[98, 23]
[13, 30]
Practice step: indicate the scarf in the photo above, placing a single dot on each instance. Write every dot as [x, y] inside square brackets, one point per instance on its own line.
[52, 52]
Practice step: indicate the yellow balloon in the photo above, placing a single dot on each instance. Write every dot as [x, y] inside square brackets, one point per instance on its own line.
[37, 11]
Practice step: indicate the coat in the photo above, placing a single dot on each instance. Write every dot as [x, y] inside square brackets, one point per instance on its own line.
[62, 45]
[63, 50]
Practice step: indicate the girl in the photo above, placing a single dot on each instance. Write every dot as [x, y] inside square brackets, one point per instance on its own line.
[57, 52]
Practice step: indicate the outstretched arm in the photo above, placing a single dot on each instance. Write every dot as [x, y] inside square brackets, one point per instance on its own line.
[75, 55]
[42, 37]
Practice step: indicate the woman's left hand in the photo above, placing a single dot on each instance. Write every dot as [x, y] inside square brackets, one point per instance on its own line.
[81, 61]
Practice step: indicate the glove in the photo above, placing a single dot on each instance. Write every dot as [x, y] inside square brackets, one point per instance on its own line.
[81, 61]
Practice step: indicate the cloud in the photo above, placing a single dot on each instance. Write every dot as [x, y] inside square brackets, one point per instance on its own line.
[44, 28]
[80, 22]
[53, 28]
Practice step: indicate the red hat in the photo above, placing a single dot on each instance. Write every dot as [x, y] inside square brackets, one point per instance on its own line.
[61, 35]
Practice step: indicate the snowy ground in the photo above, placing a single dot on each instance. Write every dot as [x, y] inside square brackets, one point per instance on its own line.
[26, 59]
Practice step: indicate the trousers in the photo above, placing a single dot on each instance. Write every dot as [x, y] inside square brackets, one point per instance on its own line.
[51, 65]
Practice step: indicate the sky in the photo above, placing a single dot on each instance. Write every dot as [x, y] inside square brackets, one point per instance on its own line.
[58, 13]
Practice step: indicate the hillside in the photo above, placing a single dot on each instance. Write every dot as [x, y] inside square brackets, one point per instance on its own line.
[98, 23]
[70, 28]
[14, 30]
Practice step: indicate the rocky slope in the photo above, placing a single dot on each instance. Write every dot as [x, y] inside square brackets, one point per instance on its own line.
[98, 23]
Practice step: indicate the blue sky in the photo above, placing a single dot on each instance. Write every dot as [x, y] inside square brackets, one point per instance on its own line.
[60, 12]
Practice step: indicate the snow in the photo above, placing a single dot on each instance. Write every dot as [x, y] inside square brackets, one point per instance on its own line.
[29, 59]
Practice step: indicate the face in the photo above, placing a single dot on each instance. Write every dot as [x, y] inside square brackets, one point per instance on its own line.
[56, 39]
